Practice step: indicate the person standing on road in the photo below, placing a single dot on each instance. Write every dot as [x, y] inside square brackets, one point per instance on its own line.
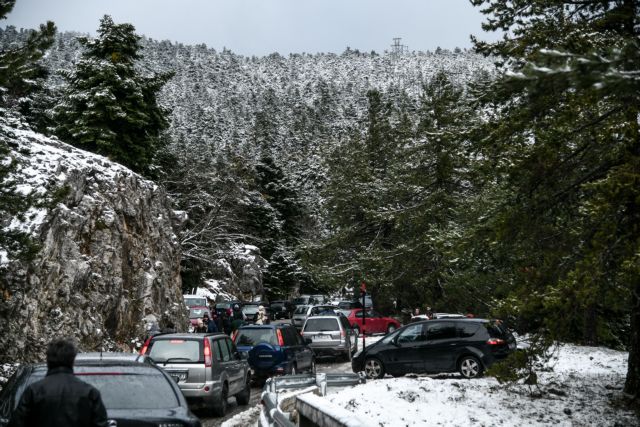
[262, 316]
[60, 399]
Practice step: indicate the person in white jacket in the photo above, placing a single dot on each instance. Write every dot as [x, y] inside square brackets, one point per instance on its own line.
[262, 316]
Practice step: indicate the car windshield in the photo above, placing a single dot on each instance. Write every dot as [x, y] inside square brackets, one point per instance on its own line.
[176, 351]
[346, 305]
[321, 325]
[195, 313]
[223, 305]
[191, 301]
[301, 310]
[252, 337]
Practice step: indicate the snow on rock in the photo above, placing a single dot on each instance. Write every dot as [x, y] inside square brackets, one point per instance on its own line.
[580, 390]
[108, 252]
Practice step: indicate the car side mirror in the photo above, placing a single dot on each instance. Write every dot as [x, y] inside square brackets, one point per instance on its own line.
[307, 341]
[244, 355]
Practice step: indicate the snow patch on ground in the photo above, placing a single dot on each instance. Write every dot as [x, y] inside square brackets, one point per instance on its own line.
[243, 419]
[579, 389]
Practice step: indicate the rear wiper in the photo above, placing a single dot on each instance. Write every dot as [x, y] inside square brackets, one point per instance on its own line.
[173, 359]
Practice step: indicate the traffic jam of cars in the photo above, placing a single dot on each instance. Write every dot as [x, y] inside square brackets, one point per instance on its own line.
[177, 372]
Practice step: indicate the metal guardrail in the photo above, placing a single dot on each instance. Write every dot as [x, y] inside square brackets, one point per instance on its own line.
[283, 390]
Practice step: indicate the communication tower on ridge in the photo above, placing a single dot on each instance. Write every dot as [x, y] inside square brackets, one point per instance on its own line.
[397, 48]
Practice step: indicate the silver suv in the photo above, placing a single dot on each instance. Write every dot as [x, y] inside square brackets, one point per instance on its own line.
[207, 367]
[303, 311]
[331, 335]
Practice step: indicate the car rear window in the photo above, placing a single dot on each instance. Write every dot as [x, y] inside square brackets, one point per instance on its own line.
[251, 309]
[131, 391]
[495, 330]
[195, 301]
[256, 336]
[196, 313]
[176, 351]
[321, 325]
[302, 309]
[301, 300]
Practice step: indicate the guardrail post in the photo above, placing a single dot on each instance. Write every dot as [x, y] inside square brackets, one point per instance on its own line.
[321, 382]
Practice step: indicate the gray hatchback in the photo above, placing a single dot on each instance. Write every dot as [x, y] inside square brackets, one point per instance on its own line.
[207, 367]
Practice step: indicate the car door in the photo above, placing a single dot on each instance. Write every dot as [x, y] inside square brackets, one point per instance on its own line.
[225, 363]
[236, 365]
[375, 322]
[404, 352]
[440, 350]
[296, 347]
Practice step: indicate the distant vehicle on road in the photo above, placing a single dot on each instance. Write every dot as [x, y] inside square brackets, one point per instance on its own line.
[275, 349]
[331, 335]
[282, 309]
[421, 317]
[302, 312]
[195, 300]
[208, 368]
[134, 390]
[196, 312]
[309, 300]
[250, 310]
[468, 346]
[374, 323]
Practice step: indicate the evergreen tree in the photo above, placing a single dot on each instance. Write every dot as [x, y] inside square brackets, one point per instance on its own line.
[564, 149]
[20, 77]
[109, 107]
[22, 73]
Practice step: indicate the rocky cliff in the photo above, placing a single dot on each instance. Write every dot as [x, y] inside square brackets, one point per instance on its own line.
[108, 256]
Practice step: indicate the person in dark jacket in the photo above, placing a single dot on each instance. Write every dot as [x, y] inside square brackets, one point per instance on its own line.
[209, 324]
[60, 399]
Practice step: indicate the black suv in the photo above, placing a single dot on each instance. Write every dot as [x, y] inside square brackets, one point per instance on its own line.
[282, 309]
[134, 390]
[465, 345]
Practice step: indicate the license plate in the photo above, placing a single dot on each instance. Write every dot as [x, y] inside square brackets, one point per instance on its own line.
[177, 377]
[321, 338]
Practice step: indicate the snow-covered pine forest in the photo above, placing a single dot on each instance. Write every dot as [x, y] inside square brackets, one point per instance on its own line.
[243, 126]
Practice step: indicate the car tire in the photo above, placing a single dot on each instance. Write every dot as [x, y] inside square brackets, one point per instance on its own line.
[220, 408]
[470, 367]
[245, 395]
[391, 328]
[373, 368]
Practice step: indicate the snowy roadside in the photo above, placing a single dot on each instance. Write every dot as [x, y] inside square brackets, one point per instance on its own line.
[580, 389]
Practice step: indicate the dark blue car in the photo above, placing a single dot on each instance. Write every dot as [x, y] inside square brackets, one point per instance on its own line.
[275, 350]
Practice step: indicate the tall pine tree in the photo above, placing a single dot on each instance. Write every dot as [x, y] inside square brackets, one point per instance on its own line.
[565, 149]
[109, 107]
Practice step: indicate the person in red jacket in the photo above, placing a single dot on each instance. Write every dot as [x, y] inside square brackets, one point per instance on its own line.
[60, 399]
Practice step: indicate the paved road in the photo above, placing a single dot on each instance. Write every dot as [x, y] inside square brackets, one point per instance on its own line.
[322, 365]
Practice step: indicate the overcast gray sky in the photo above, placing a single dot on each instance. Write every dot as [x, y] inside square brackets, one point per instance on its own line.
[260, 27]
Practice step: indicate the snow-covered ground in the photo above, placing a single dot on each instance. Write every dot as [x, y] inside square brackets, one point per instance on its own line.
[581, 388]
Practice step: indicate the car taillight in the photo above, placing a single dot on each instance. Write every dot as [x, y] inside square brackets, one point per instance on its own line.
[234, 334]
[495, 341]
[280, 340]
[207, 353]
[144, 348]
